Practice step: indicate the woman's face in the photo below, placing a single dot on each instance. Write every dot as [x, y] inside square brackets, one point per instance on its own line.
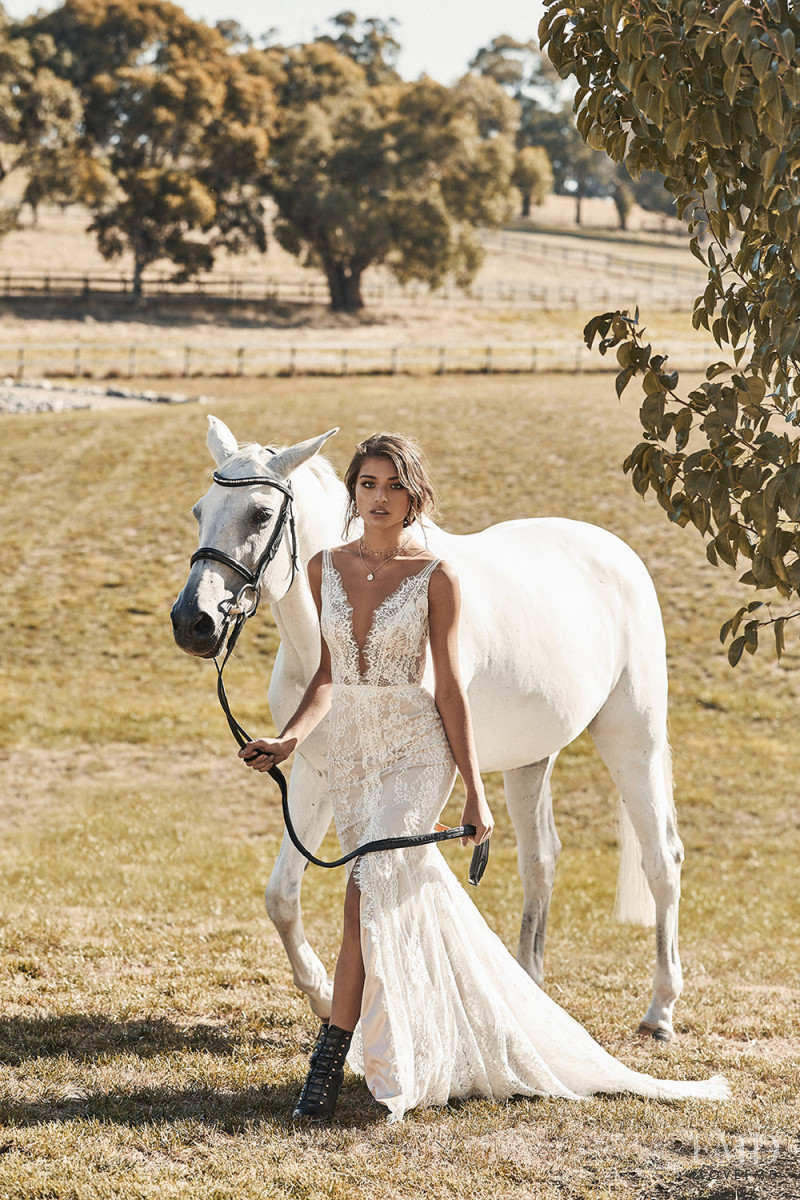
[381, 499]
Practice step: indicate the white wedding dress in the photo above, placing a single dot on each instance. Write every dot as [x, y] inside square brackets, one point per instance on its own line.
[447, 1012]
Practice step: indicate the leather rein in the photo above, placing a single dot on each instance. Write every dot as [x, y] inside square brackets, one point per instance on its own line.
[237, 613]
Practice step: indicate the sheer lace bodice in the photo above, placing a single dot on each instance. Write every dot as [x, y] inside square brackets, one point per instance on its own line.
[394, 650]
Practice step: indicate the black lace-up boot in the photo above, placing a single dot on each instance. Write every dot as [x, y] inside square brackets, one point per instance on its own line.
[321, 1088]
[318, 1044]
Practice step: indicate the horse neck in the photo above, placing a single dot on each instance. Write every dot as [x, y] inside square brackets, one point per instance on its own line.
[319, 505]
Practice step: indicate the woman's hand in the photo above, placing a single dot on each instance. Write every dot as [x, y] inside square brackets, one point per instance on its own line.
[476, 812]
[262, 753]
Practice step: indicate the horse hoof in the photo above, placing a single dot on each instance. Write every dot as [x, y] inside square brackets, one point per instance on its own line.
[657, 1032]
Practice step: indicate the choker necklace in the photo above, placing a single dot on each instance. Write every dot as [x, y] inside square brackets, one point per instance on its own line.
[372, 573]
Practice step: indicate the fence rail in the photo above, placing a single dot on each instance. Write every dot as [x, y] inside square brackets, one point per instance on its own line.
[84, 360]
[635, 285]
[526, 245]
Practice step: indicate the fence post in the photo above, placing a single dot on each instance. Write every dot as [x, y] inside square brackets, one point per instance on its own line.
[534, 359]
[131, 361]
[488, 367]
[240, 361]
[344, 360]
[292, 359]
[20, 362]
[393, 365]
[76, 362]
[187, 361]
[442, 364]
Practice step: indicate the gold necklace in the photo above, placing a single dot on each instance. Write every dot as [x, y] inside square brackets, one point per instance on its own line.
[361, 548]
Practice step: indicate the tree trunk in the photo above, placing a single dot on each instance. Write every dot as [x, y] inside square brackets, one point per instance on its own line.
[526, 204]
[345, 287]
[578, 201]
[138, 267]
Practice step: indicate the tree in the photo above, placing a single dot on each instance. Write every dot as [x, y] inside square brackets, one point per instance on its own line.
[708, 94]
[397, 174]
[181, 120]
[546, 117]
[369, 43]
[533, 176]
[40, 121]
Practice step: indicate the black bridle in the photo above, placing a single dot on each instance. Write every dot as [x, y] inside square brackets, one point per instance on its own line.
[253, 578]
[241, 609]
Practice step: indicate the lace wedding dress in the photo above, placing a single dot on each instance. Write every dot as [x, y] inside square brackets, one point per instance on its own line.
[447, 1012]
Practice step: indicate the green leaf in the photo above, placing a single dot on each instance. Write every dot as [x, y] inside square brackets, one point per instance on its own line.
[735, 651]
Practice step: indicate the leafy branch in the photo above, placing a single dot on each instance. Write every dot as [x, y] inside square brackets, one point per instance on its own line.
[708, 94]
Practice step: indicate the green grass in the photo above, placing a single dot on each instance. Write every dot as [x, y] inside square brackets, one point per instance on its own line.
[151, 1042]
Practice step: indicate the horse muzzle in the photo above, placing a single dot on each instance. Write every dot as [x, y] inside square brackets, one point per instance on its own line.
[197, 631]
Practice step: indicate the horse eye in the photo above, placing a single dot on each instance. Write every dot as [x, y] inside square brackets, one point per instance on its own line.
[261, 515]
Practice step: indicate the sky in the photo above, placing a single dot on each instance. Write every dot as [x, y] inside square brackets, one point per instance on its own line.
[438, 36]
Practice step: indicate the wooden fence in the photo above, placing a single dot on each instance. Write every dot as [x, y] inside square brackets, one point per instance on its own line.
[107, 360]
[556, 290]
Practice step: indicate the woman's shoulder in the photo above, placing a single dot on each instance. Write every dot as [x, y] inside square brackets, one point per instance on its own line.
[443, 577]
[318, 558]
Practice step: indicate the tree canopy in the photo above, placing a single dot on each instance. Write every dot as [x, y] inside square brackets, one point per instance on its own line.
[708, 94]
[533, 176]
[397, 174]
[548, 121]
[180, 123]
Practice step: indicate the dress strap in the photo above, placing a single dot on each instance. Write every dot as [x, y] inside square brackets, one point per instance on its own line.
[428, 569]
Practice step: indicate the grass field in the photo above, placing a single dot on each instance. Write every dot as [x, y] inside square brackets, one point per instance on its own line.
[151, 1042]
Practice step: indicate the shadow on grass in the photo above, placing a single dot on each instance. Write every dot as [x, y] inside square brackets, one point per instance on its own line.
[89, 1037]
[86, 1037]
[226, 1111]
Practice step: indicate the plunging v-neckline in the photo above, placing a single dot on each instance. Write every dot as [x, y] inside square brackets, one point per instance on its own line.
[361, 651]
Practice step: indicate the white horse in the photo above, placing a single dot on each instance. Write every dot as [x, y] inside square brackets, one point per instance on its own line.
[561, 631]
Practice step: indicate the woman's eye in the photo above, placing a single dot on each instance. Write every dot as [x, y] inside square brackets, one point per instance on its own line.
[398, 487]
[367, 483]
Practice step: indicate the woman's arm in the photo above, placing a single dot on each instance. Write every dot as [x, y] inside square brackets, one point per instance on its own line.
[264, 753]
[444, 607]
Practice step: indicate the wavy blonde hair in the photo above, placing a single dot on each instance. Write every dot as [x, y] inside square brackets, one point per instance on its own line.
[412, 472]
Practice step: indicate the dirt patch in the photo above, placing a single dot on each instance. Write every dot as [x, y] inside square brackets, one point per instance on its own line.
[762, 1172]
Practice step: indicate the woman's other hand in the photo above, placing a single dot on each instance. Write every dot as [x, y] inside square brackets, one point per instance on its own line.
[476, 812]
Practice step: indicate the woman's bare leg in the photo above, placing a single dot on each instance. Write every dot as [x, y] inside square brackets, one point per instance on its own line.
[348, 980]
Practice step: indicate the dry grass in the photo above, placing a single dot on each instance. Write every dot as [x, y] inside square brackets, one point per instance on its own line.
[151, 1043]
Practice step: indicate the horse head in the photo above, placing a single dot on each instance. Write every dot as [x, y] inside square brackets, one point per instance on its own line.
[247, 537]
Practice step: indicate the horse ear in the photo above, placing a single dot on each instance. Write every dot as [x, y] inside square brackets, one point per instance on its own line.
[220, 440]
[292, 457]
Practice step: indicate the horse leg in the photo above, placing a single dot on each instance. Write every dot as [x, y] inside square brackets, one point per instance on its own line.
[311, 816]
[530, 805]
[632, 741]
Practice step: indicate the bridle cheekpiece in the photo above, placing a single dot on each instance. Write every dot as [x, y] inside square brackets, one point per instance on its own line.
[248, 597]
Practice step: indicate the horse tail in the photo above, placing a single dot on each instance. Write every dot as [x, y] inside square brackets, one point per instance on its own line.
[634, 902]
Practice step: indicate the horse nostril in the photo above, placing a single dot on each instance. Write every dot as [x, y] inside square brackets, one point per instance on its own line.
[203, 626]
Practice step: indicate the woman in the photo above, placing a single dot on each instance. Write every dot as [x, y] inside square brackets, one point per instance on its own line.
[443, 1009]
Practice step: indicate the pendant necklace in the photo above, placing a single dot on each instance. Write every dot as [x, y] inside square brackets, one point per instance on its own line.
[372, 573]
